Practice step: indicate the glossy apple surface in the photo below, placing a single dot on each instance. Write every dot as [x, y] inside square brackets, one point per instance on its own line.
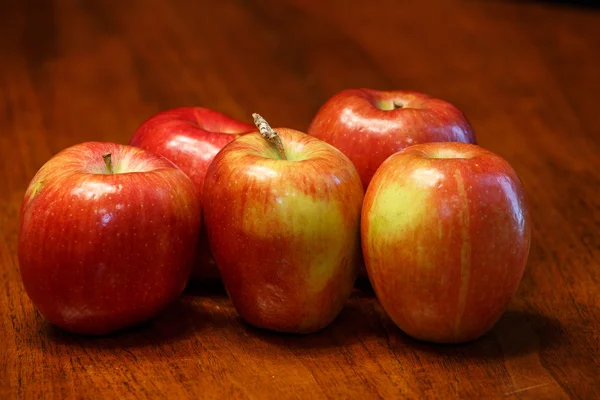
[190, 137]
[285, 233]
[368, 125]
[100, 251]
[445, 235]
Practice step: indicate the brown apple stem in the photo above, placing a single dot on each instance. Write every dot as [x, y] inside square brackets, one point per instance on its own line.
[270, 134]
[108, 161]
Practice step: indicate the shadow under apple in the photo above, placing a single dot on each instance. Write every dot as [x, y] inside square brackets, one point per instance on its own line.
[184, 318]
[205, 288]
[364, 287]
[590, 4]
[516, 334]
[358, 321]
[193, 321]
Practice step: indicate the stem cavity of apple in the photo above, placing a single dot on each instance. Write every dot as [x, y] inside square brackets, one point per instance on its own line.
[390, 105]
[108, 162]
[269, 133]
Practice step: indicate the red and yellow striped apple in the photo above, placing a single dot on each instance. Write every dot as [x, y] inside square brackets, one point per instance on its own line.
[284, 232]
[445, 236]
[190, 137]
[107, 236]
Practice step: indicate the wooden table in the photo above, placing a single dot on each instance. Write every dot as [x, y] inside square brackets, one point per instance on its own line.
[526, 73]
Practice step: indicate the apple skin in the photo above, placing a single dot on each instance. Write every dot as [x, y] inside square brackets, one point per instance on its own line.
[369, 125]
[446, 232]
[190, 137]
[99, 252]
[285, 233]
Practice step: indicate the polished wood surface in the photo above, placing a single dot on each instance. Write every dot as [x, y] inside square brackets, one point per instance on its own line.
[526, 73]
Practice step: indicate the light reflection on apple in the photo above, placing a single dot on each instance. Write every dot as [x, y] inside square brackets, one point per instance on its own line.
[428, 177]
[193, 147]
[90, 189]
[511, 194]
[261, 172]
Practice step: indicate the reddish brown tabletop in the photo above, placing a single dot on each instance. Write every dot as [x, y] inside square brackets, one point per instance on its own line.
[526, 73]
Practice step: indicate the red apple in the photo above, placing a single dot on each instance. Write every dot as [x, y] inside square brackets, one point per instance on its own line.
[284, 232]
[445, 235]
[190, 137]
[106, 242]
[368, 125]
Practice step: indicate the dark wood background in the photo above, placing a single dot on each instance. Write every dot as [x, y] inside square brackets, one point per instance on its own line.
[526, 73]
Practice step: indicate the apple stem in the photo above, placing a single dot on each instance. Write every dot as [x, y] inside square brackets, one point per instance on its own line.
[269, 133]
[108, 161]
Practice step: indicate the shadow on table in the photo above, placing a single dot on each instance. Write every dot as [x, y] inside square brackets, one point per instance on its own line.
[363, 285]
[357, 322]
[184, 318]
[204, 306]
[575, 3]
[516, 334]
[215, 288]
[342, 331]
[207, 288]
[204, 313]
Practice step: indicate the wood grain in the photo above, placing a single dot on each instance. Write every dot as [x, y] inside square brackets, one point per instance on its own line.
[526, 73]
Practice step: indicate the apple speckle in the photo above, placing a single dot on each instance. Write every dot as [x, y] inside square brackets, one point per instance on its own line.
[106, 219]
